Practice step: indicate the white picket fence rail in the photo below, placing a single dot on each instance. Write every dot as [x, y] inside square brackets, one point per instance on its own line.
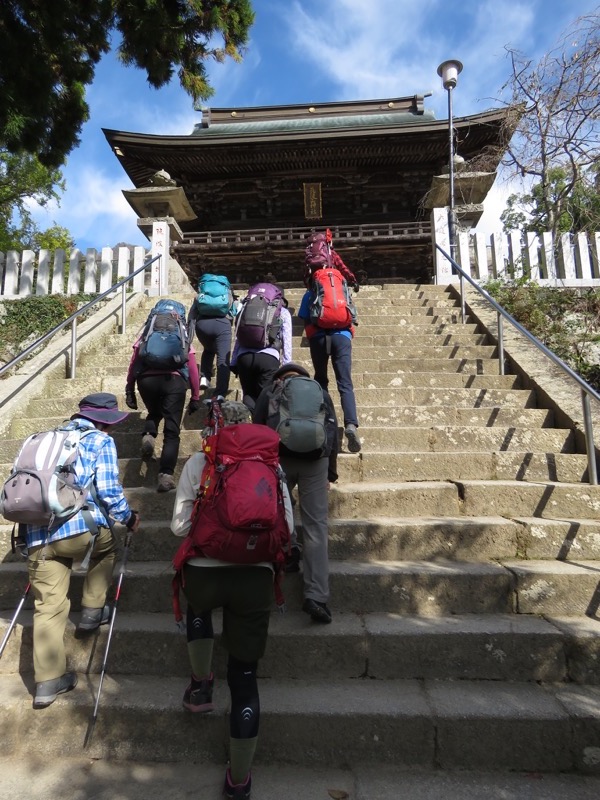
[574, 263]
[29, 273]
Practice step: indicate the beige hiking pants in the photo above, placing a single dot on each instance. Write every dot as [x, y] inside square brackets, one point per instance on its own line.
[50, 573]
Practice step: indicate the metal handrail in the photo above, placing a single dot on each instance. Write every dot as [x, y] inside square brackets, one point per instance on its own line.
[72, 320]
[587, 391]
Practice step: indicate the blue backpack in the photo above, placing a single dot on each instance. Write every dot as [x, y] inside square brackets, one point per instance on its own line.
[215, 297]
[165, 342]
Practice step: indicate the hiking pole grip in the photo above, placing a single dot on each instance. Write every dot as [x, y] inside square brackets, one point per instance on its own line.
[13, 622]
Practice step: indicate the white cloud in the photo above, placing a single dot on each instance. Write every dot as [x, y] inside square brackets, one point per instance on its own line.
[94, 210]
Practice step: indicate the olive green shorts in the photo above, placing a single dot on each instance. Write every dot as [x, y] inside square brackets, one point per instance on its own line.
[245, 594]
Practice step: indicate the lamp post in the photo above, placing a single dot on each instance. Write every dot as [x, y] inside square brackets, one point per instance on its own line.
[449, 72]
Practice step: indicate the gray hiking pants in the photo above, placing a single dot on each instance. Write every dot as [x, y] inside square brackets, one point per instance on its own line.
[311, 479]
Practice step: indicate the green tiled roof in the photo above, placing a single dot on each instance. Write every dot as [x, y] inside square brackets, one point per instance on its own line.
[320, 123]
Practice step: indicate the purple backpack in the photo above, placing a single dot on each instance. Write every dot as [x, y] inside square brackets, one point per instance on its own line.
[317, 254]
[258, 323]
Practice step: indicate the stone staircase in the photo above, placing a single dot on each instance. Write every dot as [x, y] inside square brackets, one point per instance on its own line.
[465, 578]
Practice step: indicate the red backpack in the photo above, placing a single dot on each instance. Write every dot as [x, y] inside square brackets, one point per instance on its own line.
[331, 307]
[239, 513]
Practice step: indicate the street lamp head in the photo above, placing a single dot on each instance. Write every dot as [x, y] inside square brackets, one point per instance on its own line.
[449, 72]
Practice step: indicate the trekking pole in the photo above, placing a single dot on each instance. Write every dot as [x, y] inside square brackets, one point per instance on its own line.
[14, 619]
[216, 415]
[90, 730]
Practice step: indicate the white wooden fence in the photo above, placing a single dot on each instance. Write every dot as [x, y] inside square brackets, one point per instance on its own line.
[30, 273]
[574, 263]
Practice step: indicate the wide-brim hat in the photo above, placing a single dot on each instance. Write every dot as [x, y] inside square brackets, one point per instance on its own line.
[101, 407]
[291, 367]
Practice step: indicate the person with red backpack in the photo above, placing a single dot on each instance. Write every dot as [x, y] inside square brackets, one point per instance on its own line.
[163, 364]
[208, 507]
[329, 317]
[319, 253]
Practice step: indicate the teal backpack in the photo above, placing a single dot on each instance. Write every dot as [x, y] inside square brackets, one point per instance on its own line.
[215, 297]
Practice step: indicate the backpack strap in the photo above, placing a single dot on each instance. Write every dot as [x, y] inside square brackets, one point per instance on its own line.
[87, 514]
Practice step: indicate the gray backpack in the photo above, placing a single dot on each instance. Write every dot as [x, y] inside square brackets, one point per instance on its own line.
[43, 487]
[297, 411]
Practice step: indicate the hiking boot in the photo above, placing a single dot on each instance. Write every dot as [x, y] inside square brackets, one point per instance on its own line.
[148, 442]
[237, 791]
[165, 482]
[198, 695]
[353, 440]
[47, 691]
[319, 612]
[92, 618]
[292, 561]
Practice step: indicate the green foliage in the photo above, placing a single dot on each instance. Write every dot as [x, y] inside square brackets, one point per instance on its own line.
[25, 320]
[49, 52]
[575, 205]
[565, 320]
[24, 179]
[52, 239]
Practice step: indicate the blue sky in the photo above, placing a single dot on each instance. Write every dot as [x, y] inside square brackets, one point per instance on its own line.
[309, 51]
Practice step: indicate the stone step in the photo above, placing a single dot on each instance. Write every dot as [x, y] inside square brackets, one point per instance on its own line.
[432, 439]
[464, 498]
[77, 388]
[104, 780]
[425, 466]
[511, 465]
[404, 342]
[468, 498]
[418, 397]
[469, 366]
[391, 415]
[401, 538]
[378, 646]
[442, 724]
[422, 588]
[119, 345]
[411, 587]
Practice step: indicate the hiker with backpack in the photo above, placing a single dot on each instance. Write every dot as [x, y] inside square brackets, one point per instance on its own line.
[263, 339]
[211, 316]
[84, 480]
[163, 365]
[302, 413]
[329, 317]
[234, 509]
[319, 252]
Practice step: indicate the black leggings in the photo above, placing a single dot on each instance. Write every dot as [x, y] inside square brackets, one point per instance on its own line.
[241, 679]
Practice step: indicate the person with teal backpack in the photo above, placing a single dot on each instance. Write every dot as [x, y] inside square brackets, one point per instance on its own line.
[211, 315]
[163, 365]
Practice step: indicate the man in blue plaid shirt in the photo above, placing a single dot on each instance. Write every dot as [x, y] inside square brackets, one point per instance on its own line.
[52, 551]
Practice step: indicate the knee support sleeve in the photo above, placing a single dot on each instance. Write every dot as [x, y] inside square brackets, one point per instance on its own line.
[199, 626]
[245, 706]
